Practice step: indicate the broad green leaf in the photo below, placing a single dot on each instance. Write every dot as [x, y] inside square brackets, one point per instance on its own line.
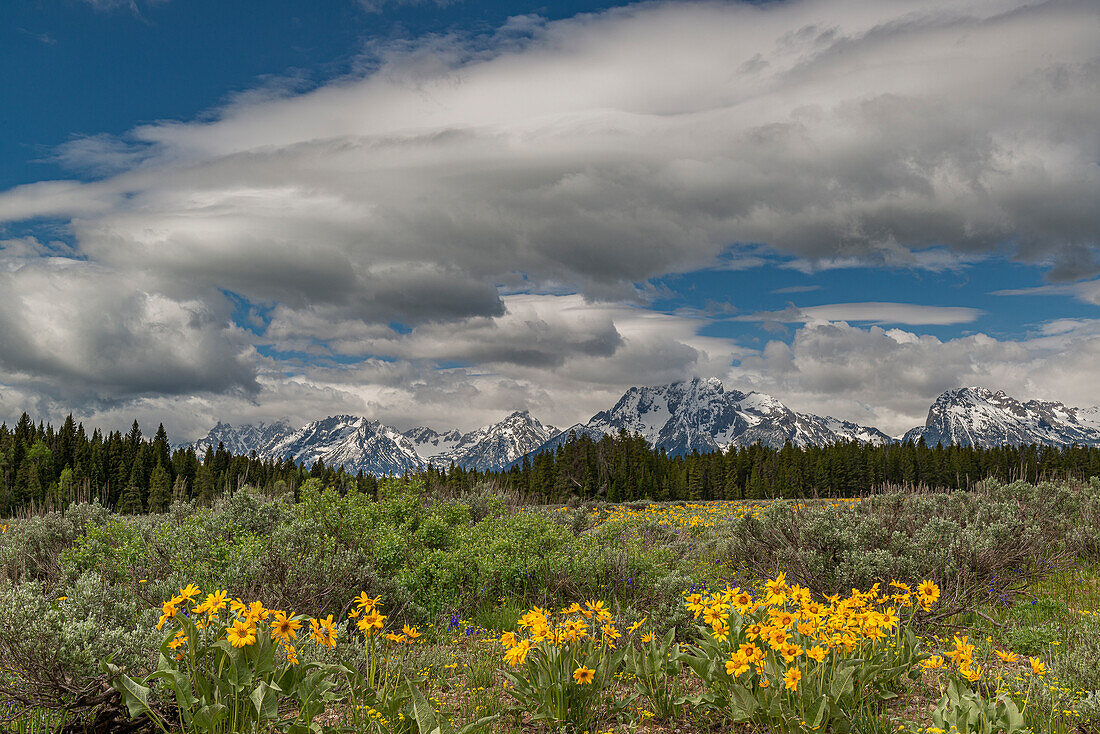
[426, 720]
[210, 716]
[842, 683]
[264, 700]
[816, 713]
[135, 695]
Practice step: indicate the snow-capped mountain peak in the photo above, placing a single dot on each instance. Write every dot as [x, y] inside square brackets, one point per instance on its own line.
[360, 444]
[976, 416]
[500, 444]
[701, 414]
[698, 414]
[259, 437]
[429, 444]
[356, 443]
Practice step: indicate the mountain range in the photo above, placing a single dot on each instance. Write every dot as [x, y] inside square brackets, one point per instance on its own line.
[699, 414]
[360, 444]
[975, 416]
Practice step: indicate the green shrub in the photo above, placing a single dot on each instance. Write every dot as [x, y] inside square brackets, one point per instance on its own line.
[978, 546]
[31, 549]
[51, 643]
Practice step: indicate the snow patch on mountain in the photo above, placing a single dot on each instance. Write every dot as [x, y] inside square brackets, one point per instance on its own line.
[353, 442]
[497, 446]
[243, 440]
[700, 414]
[976, 416]
[359, 444]
[430, 444]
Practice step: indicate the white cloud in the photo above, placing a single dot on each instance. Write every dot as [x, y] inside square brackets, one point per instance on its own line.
[580, 156]
[559, 356]
[797, 289]
[871, 311]
[888, 378]
[132, 5]
[1087, 291]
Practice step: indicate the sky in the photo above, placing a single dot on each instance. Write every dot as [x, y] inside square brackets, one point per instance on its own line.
[438, 212]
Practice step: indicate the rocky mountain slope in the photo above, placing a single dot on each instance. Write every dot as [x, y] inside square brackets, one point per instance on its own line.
[359, 444]
[975, 416]
[259, 437]
[701, 414]
[498, 445]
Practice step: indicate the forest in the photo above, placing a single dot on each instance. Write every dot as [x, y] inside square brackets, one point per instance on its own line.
[45, 468]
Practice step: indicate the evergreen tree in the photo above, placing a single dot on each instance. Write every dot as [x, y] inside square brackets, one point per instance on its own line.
[130, 502]
[204, 485]
[160, 491]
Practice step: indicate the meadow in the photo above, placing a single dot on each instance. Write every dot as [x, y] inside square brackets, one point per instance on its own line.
[900, 611]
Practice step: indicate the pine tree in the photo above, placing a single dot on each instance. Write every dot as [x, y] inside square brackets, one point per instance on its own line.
[28, 486]
[204, 485]
[160, 492]
[161, 450]
[130, 502]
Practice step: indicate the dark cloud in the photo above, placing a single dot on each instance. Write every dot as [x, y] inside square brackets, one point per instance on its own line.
[564, 157]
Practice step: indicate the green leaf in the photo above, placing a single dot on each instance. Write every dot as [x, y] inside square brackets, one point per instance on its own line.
[816, 713]
[743, 703]
[842, 683]
[265, 702]
[135, 695]
[700, 665]
[1014, 720]
[180, 684]
[475, 725]
[426, 720]
[210, 716]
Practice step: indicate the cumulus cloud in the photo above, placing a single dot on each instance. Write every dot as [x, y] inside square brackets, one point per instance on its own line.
[888, 377]
[557, 355]
[826, 130]
[83, 333]
[560, 157]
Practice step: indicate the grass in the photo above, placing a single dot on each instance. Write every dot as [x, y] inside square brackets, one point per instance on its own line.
[1048, 623]
[639, 558]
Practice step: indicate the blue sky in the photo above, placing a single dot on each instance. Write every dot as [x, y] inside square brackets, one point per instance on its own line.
[438, 212]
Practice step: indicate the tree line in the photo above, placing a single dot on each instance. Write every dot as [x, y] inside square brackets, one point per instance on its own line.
[44, 468]
[624, 467]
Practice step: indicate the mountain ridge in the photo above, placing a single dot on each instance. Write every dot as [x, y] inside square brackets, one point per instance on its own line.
[693, 415]
[701, 415]
[977, 416]
[360, 444]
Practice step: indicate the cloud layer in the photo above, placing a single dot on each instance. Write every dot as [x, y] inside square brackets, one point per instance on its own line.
[381, 221]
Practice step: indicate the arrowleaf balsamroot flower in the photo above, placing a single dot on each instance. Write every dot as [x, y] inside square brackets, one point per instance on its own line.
[584, 675]
[323, 631]
[241, 633]
[284, 628]
[927, 593]
[168, 611]
[214, 603]
[189, 593]
[371, 621]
